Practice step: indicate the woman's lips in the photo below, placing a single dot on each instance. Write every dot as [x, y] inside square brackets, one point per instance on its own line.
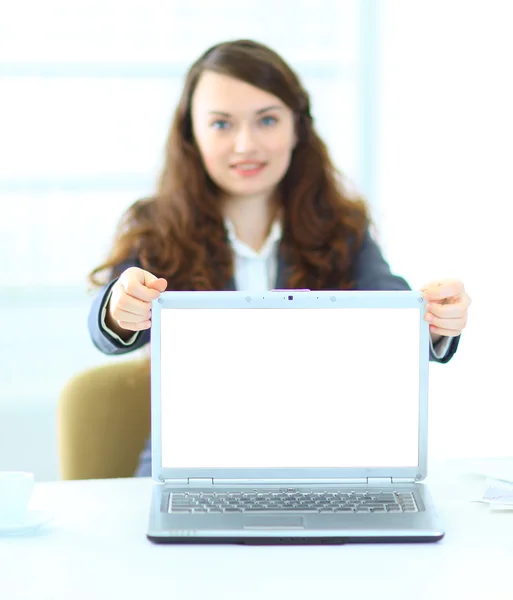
[248, 169]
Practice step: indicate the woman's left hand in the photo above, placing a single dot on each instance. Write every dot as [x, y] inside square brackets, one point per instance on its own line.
[447, 307]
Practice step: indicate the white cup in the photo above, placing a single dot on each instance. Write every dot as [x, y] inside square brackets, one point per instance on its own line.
[15, 492]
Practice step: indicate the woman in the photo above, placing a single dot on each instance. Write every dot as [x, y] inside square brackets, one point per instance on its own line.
[248, 199]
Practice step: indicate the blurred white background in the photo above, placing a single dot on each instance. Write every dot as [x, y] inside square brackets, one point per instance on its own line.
[413, 99]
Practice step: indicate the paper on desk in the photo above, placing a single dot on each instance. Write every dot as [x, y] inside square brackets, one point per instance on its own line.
[498, 495]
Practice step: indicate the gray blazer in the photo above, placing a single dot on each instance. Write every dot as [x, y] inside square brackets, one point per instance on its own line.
[371, 272]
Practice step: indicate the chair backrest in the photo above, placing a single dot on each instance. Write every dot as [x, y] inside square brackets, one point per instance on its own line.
[104, 421]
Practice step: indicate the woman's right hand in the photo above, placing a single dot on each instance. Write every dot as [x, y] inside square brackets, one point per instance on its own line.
[130, 302]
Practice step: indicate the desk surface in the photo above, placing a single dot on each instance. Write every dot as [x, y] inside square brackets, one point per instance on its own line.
[96, 548]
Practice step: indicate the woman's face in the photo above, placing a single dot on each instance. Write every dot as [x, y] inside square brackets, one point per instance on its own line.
[245, 135]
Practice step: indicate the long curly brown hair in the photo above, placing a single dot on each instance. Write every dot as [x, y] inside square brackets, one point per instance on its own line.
[180, 233]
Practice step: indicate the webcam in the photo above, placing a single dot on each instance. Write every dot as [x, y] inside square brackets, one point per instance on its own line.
[291, 297]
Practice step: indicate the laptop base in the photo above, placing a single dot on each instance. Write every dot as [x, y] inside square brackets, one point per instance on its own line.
[295, 541]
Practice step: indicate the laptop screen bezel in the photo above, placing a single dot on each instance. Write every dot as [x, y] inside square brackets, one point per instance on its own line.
[289, 299]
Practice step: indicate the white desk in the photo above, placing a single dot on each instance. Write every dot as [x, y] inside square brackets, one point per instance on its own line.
[96, 548]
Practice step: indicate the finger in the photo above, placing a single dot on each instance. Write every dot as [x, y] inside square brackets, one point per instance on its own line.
[147, 278]
[132, 305]
[134, 326]
[446, 290]
[446, 311]
[436, 283]
[159, 284]
[137, 290]
[444, 332]
[127, 317]
[430, 285]
[447, 324]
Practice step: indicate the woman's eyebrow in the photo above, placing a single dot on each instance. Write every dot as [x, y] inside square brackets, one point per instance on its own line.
[263, 110]
[259, 112]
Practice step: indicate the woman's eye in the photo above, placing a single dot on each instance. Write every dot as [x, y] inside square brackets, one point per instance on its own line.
[220, 124]
[268, 121]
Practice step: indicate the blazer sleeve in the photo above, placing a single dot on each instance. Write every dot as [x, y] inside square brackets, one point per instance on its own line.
[372, 272]
[100, 337]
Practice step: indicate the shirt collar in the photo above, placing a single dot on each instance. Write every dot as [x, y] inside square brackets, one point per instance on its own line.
[242, 249]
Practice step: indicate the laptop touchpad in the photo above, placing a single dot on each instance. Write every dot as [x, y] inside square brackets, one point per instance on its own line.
[272, 522]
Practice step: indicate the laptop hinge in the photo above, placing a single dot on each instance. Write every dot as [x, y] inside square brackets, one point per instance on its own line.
[284, 483]
[200, 481]
[209, 481]
[191, 481]
[389, 480]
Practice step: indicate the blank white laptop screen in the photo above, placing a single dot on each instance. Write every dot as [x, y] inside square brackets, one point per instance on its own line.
[290, 388]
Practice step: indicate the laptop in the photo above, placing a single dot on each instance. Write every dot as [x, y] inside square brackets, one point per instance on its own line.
[290, 417]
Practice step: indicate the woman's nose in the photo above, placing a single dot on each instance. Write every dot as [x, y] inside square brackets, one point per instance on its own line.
[244, 140]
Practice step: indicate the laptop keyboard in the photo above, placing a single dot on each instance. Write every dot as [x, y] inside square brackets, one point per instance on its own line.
[292, 500]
